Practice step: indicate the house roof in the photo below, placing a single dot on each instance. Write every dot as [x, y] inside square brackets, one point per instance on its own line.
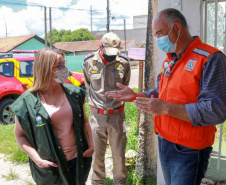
[140, 45]
[90, 45]
[9, 43]
[128, 42]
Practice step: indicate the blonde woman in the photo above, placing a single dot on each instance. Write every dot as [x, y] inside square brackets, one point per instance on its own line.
[51, 125]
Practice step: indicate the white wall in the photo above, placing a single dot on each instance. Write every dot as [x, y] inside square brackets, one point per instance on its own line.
[140, 21]
[191, 10]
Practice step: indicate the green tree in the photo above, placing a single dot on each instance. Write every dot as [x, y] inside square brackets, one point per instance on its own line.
[69, 36]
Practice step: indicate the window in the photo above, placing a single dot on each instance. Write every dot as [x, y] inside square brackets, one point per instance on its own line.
[7, 69]
[214, 23]
[26, 68]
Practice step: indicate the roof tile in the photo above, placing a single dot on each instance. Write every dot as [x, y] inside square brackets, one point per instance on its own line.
[9, 43]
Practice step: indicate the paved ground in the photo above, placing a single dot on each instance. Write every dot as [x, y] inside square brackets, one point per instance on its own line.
[23, 175]
[22, 171]
[134, 78]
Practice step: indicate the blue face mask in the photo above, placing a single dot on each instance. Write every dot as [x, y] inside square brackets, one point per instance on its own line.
[165, 45]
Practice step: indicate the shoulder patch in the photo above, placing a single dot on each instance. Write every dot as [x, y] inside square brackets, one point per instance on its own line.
[201, 52]
[124, 56]
[89, 55]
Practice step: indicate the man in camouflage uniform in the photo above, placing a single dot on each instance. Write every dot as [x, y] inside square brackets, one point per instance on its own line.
[102, 70]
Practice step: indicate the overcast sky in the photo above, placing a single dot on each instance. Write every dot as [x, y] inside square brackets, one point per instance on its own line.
[22, 17]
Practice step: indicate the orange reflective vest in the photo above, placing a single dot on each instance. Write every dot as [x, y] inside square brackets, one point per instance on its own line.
[183, 87]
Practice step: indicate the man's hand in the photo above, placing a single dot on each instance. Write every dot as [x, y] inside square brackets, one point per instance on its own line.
[126, 94]
[151, 105]
[158, 107]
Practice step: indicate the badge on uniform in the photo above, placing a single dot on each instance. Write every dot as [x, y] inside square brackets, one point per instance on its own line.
[94, 62]
[168, 68]
[165, 66]
[95, 69]
[117, 66]
[39, 122]
[190, 64]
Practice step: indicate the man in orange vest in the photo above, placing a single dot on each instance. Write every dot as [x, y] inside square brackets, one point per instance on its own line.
[188, 102]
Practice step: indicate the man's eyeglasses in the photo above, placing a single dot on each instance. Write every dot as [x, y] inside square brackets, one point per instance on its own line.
[61, 65]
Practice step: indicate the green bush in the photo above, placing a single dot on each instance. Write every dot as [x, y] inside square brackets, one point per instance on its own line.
[134, 179]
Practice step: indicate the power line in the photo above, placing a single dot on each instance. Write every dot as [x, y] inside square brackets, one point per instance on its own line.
[94, 12]
[20, 3]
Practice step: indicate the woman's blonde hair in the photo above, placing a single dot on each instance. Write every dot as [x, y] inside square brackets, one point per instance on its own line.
[42, 68]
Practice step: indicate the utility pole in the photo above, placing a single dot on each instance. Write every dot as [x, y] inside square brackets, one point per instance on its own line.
[91, 17]
[45, 27]
[50, 28]
[108, 21]
[5, 30]
[125, 35]
[147, 152]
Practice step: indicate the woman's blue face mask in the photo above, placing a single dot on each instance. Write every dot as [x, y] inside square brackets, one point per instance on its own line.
[165, 45]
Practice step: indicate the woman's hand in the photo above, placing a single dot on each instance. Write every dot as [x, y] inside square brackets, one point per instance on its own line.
[45, 164]
[89, 152]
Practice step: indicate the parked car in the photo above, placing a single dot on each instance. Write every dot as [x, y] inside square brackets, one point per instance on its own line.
[16, 77]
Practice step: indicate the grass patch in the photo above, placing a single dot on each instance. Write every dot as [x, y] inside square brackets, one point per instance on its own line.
[11, 175]
[134, 179]
[223, 147]
[29, 183]
[9, 146]
[108, 181]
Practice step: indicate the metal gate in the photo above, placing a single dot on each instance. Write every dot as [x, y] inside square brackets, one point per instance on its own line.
[213, 32]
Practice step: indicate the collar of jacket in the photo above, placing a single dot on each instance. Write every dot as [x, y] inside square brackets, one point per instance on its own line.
[187, 49]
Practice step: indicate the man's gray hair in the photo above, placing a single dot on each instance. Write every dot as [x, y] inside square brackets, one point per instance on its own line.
[171, 16]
